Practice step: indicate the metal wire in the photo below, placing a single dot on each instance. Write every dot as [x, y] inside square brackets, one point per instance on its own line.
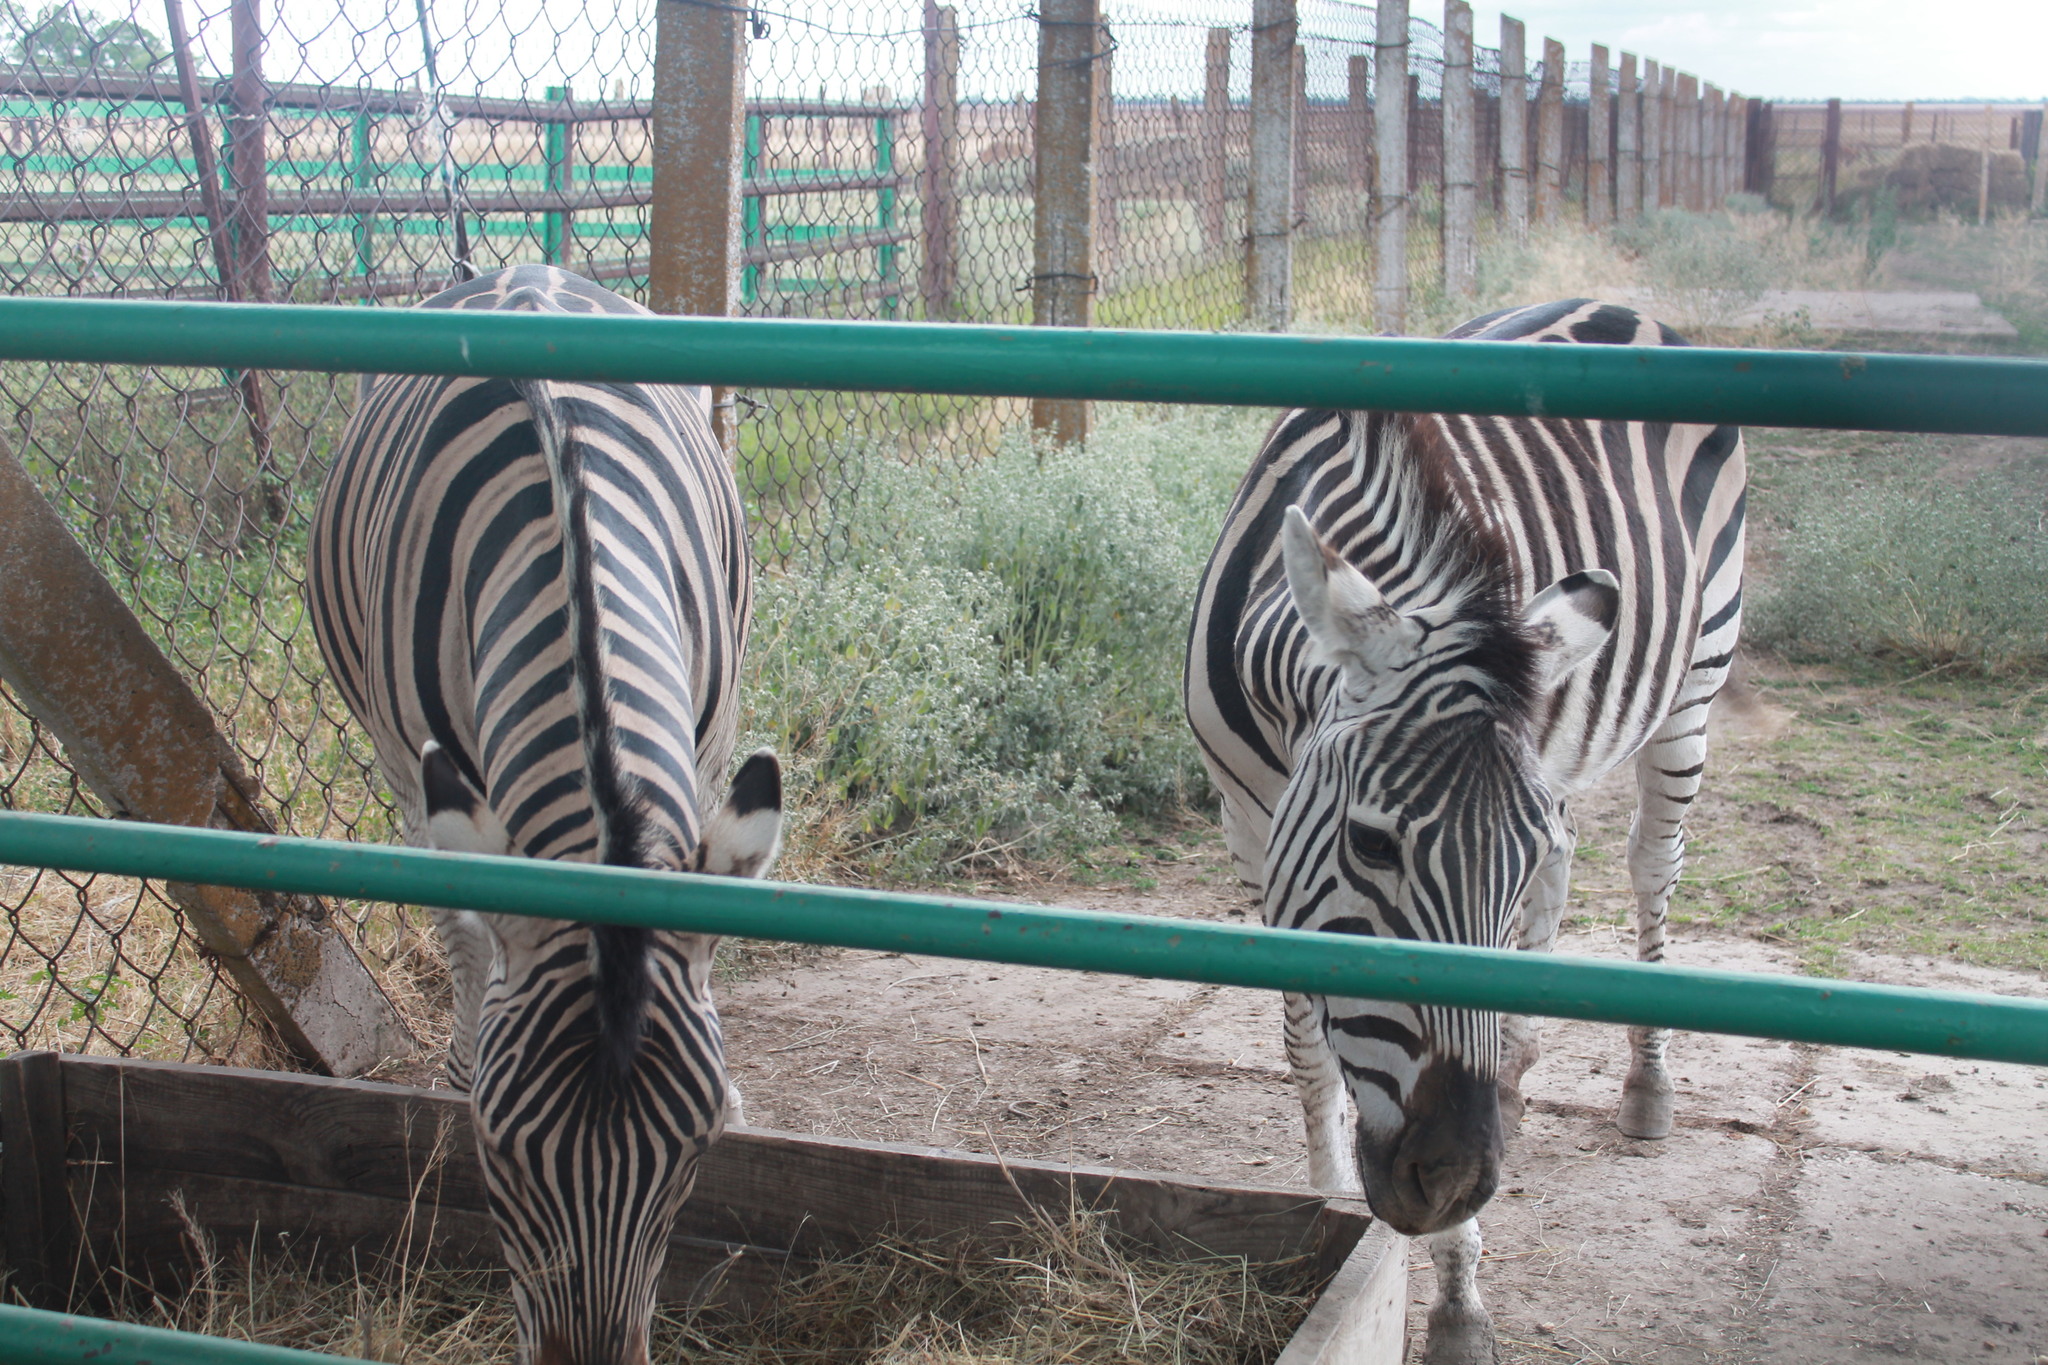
[353, 134]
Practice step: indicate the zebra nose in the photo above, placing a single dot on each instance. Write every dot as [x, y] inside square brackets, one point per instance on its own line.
[1443, 1166]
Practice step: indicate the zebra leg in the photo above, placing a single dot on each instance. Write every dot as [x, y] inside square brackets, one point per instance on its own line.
[467, 944]
[1320, 1083]
[1521, 1041]
[1667, 779]
[1460, 1329]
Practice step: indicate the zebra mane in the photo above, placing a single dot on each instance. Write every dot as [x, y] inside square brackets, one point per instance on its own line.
[1455, 566]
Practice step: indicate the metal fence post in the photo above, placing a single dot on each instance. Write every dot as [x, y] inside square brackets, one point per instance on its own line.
[1669, 169]
[360, 173]
[1359, 125]
[558, 227]
[1830, 158]
[1269, 205]
[1760, 151]
[1514, 129]
[1599, 109]
[1461, 188]
[1628, 155]
[938, 266]
[1108, 183]
[248, 133]
[1063, 257]
[1214, 189]
[1550, 135]
[1390, 168]
[147, 745]
[693, 220]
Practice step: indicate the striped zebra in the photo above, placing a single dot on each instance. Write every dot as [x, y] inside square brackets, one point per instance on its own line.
[1417, 638]
[534, 596]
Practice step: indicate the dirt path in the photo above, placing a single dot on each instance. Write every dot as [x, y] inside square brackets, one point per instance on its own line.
[1814, 1204]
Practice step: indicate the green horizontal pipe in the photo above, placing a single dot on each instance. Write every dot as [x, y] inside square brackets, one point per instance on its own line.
[1801, 1009]
[32, 1337]
[1990, 396]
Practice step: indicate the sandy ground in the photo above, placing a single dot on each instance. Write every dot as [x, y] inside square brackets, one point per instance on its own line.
[1813, 1205]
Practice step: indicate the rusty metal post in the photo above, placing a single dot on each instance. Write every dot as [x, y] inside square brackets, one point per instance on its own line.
[938, 270]
[1063, 246]
[1628, 149]
[248, 144]
[1514, 129]
[1830, 159]
[1461, 185]
[1599, 109]
[1269, 210]
[147, 746]
[1214, 175]
[1358, 125]
[693, 227]
[1108, 179]
[1390, 167]
[1550, 135]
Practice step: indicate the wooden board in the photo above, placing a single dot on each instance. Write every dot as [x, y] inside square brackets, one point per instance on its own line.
[145, 1152]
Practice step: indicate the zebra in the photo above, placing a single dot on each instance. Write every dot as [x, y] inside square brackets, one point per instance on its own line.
[534, 596]
[1418, 636]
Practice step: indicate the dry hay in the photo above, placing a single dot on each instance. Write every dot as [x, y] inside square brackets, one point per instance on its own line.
[1054, 1289]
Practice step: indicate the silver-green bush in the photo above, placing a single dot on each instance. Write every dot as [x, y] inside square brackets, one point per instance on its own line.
[993, 665]
[1875, 559]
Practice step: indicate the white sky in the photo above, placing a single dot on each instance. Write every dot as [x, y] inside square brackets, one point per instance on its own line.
[1778, 49]
[1807, 49]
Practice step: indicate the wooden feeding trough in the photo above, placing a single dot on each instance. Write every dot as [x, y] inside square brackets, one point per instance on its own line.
[98, 1157]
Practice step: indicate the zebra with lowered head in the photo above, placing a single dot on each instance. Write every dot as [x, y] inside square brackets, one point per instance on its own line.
[534, 596]
[1418, 637]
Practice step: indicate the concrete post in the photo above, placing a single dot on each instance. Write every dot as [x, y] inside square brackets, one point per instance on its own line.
[699, 118]
[1108, 186]
[1460, 129]
[1713, 153]
[1063, 248]
[1359, 124]
[1669, 169]
[1304, 139]
[938, 269]
[1628, 150]
[1599, 108]
[1514, 129]
[147, 746]
[1550, 135]
[1215, 155]
[1390, 168]
[1269, 263]
[248, 153]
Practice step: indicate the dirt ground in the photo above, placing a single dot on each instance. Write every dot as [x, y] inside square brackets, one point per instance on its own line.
[1814, 1204]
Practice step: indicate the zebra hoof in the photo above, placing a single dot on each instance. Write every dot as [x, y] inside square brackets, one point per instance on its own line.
[1645, 1106]
[1460, 1335]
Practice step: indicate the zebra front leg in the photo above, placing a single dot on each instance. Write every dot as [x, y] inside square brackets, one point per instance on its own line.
[1319, 1082]
[1521, 1040]
[1667, 779]
[1460, 1329]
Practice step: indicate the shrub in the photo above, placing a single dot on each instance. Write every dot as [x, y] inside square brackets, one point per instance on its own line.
[1885, 563]
[992, 665]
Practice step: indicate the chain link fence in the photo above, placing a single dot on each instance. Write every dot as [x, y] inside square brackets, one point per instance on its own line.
[357, 153]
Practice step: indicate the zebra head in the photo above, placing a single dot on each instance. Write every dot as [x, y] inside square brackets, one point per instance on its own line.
[599, 1081]
[1418, 809]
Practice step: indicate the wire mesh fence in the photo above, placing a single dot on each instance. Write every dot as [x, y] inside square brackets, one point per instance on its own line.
[361, 153]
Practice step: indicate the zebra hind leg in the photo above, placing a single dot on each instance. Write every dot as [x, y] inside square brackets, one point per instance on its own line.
[1521, 1041]
[1667, 779]
[1319, 1083]
[1460, 1329]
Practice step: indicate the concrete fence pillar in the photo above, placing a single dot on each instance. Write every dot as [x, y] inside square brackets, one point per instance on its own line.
[1269, 248]
[1390, 167]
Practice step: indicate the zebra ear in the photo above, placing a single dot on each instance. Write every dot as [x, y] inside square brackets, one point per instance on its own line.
[1344, 613]
[1570, 621]
[459, 820]
[742, 839]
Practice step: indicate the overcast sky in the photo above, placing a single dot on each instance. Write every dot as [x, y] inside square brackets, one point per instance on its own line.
[1807, 49]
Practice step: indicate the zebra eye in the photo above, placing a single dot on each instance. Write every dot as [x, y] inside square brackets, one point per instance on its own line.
[1372, 846]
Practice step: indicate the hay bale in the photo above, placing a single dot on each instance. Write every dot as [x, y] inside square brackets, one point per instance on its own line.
[1930, 178]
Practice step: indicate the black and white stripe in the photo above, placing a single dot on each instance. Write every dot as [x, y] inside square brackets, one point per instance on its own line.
[534, 596]
[1417, 638]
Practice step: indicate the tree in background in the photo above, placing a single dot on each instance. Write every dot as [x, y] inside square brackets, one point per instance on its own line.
[67, 36]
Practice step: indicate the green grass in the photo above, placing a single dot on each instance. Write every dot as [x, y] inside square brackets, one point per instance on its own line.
[1894, 814]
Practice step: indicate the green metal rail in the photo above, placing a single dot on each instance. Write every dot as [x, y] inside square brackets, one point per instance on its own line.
[1801, 1009]
[31, 1337]
[1994, 396]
